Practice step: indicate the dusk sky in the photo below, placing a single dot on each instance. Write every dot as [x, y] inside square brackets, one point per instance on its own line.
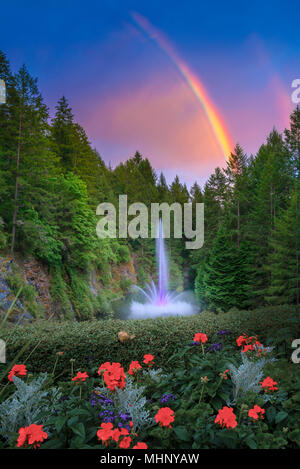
[178, 81]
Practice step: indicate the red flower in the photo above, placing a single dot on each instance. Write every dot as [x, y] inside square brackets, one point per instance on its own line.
[226, 418]
[140, 445]
[241, 340]
[165, 416]
[224, 374]
[80, 377]
[17, 370]
[125, 443]
[247, 348]
[268, 384]
[199, 337]
[134, 367]
[117, 433]
[103, 367]
[113, 375]
[106, 432]
[32, 435]
[147, 359]
[254, 413]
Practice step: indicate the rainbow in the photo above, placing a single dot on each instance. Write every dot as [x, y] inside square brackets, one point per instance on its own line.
[216, 122]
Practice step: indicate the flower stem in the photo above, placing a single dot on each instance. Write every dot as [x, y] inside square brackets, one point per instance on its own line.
[201, 394]
[53, 371]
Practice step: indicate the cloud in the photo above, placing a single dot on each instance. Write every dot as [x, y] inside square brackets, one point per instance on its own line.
[162, 120]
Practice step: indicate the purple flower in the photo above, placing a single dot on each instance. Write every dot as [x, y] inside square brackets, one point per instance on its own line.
[224, 332]
[166, 397]
[125, 417]
[195, 343]
[214, 348]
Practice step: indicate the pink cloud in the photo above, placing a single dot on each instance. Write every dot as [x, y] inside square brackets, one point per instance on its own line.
[162, 120]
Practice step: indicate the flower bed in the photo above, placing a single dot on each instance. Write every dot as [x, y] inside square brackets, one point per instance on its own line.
[227, 396]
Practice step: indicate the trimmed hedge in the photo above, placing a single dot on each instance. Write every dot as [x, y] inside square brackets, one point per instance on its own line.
[94, 342]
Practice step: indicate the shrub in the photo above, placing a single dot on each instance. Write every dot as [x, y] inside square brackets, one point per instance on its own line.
[93, 340]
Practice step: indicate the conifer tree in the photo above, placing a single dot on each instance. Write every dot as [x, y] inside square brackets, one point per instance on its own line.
[221, 282]
[283, 262]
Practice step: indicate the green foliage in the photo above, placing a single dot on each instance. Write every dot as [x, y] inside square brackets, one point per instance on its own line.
[221, 280]
[283, 260]
[28, 296]
[161, 337]
[72, 413]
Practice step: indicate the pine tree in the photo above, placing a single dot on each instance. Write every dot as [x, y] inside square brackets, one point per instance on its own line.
[270, 174]
[29, 116]
[283, 262]
[163, 192]
[236, 179]
[292, 139]
[63, 134]
[221, 282]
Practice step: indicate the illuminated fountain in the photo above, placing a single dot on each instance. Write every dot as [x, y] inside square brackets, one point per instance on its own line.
[159, 301]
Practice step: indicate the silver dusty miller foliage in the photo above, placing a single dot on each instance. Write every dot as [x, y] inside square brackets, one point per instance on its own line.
[131, 399]
[248, 375]
[26, 404]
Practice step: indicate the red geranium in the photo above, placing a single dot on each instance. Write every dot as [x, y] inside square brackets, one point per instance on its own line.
[106, 432]
[226, 418]
[140, 445]
[32, 435]
[125, 443]
[134, 367]
[248, 348]
[256, 412]
[117, 433]
[268, 384]
[81, 377]
[241, 340]
[17, 370]
[199, 337]
[113, 375]
[103, 367]
[148, 359]
[165, 416]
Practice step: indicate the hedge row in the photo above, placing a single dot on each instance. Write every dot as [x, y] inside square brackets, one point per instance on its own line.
[97, 341]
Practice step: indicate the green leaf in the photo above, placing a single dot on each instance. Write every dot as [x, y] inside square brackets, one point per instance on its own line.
[182, 433]
[79, 430]
[60, 422]
[251, 443]
[281, 416]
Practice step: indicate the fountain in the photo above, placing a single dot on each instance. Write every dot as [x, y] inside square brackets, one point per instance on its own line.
[159, 301]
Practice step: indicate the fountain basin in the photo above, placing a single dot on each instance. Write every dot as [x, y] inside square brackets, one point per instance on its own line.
[150, 310]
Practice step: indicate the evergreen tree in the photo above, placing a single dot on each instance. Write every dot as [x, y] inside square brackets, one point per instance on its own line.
[292, 139]
[221, 282]
[283, 262]
[63, 134]
[28, 117]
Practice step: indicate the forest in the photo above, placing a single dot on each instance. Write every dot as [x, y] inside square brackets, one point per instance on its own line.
[52, 179]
